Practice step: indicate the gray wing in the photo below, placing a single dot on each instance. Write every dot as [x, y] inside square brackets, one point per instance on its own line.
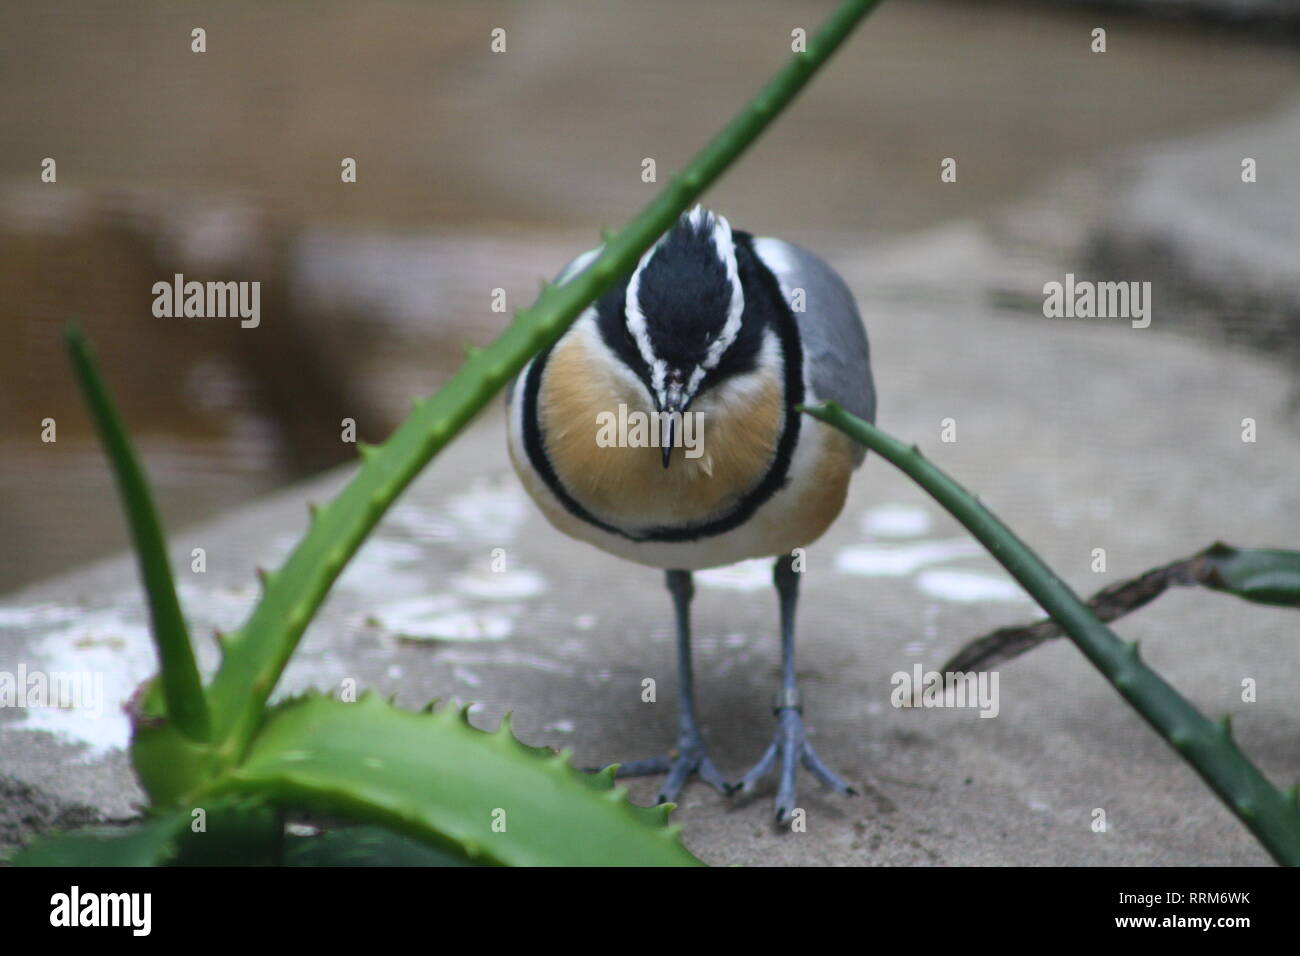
[568, 272]
[832, 333]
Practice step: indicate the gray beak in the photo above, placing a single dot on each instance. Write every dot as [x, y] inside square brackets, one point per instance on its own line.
[673, 400]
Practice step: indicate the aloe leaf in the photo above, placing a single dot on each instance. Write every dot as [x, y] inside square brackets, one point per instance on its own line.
[367, 846]
[256, 655]
[181, 689]
[245, 832]
[228, 833]
[1265, 576]
[151, 842]
[1271, 815]
[435, 778]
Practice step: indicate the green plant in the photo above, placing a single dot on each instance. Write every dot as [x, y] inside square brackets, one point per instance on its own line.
[1271, 815]
[429, 776]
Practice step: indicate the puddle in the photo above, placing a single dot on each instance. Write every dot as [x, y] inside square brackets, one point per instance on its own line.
[441, 618]
[947, 584]
[895, 521]
[499, 585]
[752, 575]
[901, 560]
[489, 512]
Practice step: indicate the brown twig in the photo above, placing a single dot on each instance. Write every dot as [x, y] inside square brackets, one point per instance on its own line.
[1110, 603]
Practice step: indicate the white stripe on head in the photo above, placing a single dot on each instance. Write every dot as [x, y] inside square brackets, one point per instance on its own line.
[726, 247]
[699, 219]
[636, 323]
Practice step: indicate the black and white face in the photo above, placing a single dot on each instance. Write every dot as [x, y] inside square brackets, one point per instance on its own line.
[682, 310]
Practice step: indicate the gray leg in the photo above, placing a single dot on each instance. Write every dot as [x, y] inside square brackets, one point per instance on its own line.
[689, 757]
[789, 743]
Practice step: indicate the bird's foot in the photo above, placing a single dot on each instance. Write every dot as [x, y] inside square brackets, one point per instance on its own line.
[791, 746]
[687, 760]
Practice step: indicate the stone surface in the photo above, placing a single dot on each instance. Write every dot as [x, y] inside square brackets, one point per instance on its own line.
[1080, 433]
[1224, 251]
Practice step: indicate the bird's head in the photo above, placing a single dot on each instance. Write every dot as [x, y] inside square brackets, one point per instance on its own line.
[683, 307]
[682, 313]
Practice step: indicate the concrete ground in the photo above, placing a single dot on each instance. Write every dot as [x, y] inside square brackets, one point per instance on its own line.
[1081, 434]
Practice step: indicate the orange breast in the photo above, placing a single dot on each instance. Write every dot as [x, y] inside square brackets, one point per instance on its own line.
[738, 428]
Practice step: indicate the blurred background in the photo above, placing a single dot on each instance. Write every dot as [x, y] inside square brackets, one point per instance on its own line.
[479, 170]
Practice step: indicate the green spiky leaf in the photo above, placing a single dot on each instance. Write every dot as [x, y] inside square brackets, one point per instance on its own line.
[437, 779]
[151, 842]
[181, 689]
[234, 833]
[225, 833]
[366, 846]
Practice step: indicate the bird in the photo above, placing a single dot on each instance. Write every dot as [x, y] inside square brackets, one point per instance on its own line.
[717, 336]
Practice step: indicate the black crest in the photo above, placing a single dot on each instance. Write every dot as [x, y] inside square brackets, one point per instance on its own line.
[684, 292]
